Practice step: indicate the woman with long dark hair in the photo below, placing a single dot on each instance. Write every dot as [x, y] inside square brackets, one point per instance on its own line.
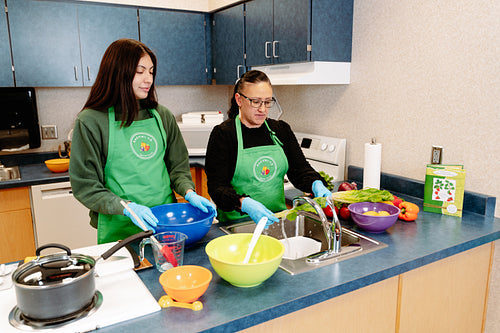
[248, 156]
[128, 147]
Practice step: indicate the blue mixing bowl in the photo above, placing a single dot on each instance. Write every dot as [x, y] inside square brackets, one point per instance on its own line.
[185, 218]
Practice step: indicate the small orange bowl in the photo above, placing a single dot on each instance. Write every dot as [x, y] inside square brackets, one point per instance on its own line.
[58, 164]
[186, 283]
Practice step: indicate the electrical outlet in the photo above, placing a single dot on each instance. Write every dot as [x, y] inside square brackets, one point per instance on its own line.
[437, 154]
[49, 132]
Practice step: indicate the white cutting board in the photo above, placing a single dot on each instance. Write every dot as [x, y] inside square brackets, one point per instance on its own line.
[124, 297]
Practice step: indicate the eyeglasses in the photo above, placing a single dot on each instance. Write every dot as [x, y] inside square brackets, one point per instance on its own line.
[257, 103]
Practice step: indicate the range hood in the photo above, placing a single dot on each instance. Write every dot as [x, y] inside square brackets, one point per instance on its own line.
[313, 72]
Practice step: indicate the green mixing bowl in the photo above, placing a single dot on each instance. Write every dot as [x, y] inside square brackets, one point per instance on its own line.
[226, 254]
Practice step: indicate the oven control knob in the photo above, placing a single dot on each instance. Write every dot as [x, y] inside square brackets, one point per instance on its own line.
[324, 146]
[331, 148]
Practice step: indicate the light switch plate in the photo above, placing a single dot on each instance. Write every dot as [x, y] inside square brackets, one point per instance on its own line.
[437, 155]
[49, 132]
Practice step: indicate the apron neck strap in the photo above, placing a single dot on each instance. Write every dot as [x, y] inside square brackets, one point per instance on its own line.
[274, 137]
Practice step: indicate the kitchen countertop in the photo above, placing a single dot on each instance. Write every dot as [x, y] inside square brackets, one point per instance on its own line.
[226, 308]
[34, 172]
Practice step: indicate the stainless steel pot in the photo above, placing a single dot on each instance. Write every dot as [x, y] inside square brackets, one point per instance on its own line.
[60, 284]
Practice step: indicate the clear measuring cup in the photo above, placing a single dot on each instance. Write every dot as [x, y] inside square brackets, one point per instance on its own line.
[170, 253]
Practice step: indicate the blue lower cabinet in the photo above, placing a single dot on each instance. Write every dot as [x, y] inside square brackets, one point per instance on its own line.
[178, 41]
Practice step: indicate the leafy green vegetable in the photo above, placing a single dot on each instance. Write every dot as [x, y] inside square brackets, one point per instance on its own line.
[291, 214]
[368, 194]
[329, 180]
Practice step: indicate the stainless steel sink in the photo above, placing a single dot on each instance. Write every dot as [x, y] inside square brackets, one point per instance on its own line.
[9, 173]
[309, 225]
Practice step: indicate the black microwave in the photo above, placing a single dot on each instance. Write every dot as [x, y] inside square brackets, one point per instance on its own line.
[19, 127]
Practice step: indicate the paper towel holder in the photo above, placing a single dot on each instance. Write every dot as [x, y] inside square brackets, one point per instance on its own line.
[374, 142]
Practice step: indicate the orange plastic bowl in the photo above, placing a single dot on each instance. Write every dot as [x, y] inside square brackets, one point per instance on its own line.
[186, 283]
[58, 164]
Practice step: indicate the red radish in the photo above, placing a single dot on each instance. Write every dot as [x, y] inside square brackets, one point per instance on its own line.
[345, 186]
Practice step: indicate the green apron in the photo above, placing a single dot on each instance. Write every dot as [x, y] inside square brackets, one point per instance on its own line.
[259, 173]
[135, 171]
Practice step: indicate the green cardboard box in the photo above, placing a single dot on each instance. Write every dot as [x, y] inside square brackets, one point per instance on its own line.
[444, 189]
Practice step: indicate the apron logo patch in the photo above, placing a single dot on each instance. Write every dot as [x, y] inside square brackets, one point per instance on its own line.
[264, 169]
[143, 145]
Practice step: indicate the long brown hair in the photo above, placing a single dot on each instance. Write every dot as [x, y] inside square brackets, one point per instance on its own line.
[113, 84]
[253, 76]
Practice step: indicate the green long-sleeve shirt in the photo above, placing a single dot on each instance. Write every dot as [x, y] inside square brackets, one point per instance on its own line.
[89, 152]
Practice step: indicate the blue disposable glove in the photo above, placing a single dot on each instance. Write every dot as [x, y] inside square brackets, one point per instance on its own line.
[200, 202]
[256, 211]
[142, 212]
[320, 190]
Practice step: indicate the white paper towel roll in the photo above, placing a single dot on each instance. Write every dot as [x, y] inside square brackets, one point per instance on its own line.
[371, 171]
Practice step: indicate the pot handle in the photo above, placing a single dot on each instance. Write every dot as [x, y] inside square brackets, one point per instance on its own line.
[46, 246]
[126, 241]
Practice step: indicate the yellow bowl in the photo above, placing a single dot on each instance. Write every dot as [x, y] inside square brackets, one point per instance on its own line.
[186, 283]
[226, 254]
[58, 164]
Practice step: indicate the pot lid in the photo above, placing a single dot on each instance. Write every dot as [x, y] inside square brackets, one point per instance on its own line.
[53, 269]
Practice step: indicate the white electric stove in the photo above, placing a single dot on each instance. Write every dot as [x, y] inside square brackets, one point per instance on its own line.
[324, 153]
[121, 295]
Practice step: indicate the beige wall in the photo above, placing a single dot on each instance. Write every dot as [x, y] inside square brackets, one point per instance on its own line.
[423, 73]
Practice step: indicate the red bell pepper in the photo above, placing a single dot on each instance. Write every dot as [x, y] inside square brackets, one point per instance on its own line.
[409, 211]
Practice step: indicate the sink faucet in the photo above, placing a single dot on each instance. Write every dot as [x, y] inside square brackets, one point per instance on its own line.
[333, 230]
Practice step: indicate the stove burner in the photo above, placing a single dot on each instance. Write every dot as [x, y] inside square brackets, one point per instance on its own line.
[20, 321]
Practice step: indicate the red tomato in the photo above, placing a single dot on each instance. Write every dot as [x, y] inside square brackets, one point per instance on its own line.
[345, 214]
[328, 211]
[397, 201]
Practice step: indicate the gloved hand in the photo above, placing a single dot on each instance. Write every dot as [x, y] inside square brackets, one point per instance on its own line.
[142, 212]
[200, 202]
[320, 190]
[256, 211]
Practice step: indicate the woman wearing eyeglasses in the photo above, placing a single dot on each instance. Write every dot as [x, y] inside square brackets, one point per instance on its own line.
[248, 156]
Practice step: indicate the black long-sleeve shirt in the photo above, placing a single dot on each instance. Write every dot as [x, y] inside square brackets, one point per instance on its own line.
[222, 151]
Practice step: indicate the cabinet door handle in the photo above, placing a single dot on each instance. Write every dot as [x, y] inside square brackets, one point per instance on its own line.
[238, 72]
[76, 73]
[266, 48]
[88, 72]
[275, 42]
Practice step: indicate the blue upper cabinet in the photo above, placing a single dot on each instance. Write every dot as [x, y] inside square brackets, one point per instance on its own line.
[259, 32]
[57, 44]
[6, 78]
[45, 45]
[332, 30]
[287, 31]
[99, 26]
[277, 31]
[178, 41]
[228, 45]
